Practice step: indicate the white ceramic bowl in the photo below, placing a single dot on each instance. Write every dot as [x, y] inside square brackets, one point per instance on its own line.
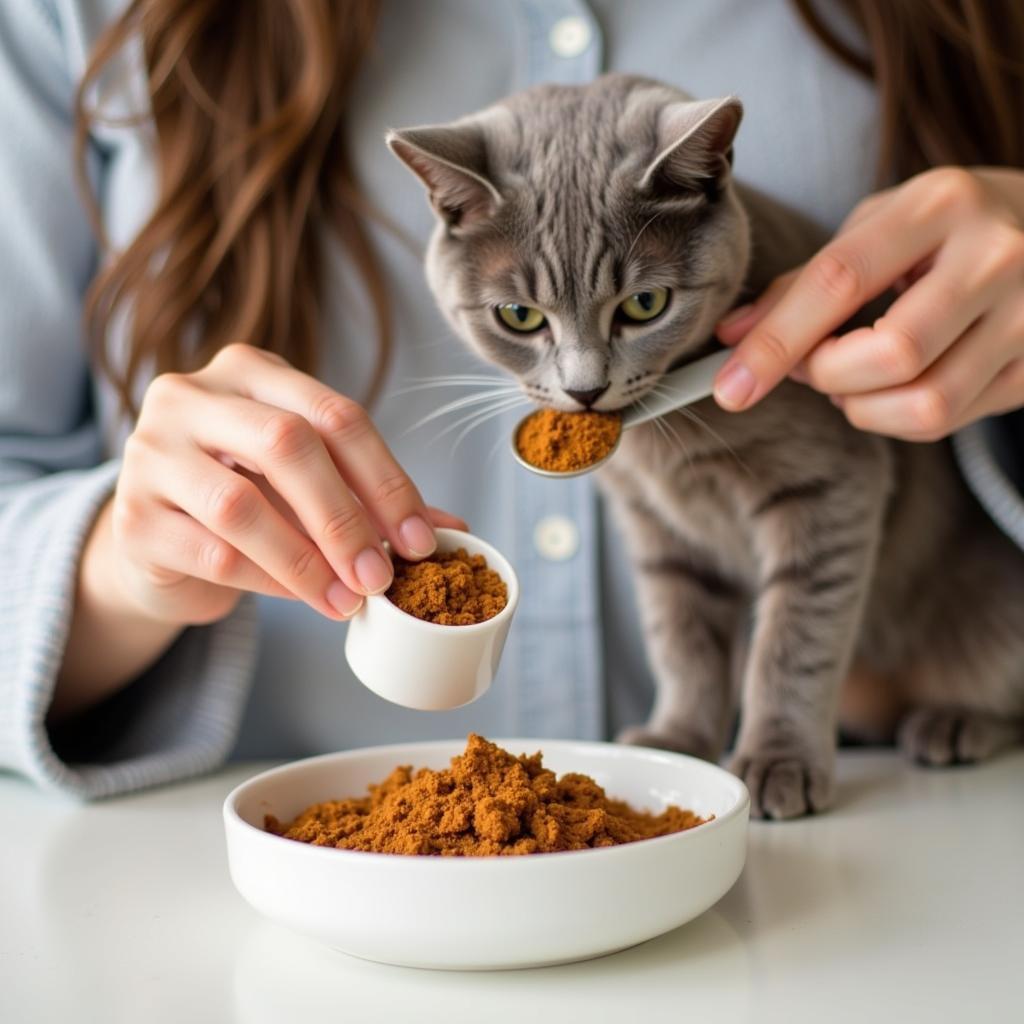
[489, 912]
[423, 665]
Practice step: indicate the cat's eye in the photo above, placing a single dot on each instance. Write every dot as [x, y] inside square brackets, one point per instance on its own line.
[644, 306]
[524, 319]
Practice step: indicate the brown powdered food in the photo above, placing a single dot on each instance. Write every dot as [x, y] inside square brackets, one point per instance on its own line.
[451, 588]
[565, 441]
[488, 803]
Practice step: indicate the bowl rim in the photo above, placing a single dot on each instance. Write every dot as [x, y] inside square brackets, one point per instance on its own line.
[447, 535]
[232, 818]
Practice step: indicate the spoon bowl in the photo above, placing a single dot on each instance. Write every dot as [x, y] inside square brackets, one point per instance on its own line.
[563, 474]
[688, 384]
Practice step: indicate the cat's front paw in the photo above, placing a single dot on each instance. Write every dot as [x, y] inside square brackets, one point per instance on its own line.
[784, 785]
[681, 741]
[943, 736]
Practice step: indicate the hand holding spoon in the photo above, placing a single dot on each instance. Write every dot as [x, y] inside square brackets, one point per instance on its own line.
[684, 386]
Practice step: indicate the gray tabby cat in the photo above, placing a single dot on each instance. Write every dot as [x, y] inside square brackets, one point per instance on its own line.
[589, 238]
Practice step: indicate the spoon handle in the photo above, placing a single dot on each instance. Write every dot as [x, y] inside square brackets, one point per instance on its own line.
[681, 387]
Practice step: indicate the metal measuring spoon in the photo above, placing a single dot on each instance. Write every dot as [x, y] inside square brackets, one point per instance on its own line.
[685, 386]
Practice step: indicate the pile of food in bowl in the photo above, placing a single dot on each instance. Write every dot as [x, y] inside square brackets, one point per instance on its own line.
[487, 803]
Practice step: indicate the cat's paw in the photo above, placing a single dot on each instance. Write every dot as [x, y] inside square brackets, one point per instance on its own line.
[784, 785]
[681, 741]
[938, 737]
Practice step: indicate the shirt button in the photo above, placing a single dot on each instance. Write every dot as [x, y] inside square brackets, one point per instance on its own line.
[569, 37]
[556, 538]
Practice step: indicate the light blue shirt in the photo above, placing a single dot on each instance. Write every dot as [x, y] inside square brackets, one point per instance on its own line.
[574, 665]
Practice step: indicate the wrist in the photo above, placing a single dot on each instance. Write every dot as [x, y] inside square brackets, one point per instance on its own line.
[103, 588]
[111, 638]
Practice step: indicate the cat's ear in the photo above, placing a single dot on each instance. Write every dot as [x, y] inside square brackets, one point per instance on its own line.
[694, 148]
[451, 160]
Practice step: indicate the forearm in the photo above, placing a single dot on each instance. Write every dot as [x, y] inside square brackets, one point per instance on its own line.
[110, 641]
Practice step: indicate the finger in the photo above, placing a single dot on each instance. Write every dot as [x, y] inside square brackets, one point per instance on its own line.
[438, 517]
[800, 373]
[849, 271]
[1004, 394]
[233, 508]
[358, 450]
[867, 207]
[173, 545]
[916, 329]
[289, 452]
[935, 404]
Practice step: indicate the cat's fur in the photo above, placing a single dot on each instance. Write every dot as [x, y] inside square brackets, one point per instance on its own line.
[779, 547]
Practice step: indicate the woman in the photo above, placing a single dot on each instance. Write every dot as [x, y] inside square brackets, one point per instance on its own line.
[241, 212]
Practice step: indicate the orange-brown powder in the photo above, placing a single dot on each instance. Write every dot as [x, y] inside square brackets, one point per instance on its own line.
[488, 803]
[451, 588]
[566, 441]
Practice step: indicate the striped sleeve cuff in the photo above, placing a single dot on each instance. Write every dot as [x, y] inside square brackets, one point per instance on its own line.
[177, 720]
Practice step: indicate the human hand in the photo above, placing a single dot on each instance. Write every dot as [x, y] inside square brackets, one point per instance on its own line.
[248, 475]
[948, 351]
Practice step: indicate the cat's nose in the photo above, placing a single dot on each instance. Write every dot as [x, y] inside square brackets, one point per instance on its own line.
[586, 398]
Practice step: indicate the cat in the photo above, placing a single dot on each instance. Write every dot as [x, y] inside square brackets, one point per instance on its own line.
[588, 238]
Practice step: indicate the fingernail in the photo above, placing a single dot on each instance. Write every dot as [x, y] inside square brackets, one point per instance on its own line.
[374, 574]
[734, 386]
[417, 536]
[342, 600]
[734, 316]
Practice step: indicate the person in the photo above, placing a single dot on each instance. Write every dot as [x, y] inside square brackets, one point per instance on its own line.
[197, 482]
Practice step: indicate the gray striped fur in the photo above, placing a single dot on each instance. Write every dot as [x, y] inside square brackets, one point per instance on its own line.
[778, 552]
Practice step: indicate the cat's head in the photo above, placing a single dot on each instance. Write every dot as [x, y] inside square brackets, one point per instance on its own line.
[588, 236]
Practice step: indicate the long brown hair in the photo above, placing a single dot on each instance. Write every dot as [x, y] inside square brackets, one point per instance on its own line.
[248, 102]
[950, 79]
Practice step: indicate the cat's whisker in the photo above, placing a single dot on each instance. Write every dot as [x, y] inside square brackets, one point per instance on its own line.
[699, 420]
[498, 444]
[500, 405]
[695, 418]
[461, 403]
[456, 381]
[671, 429]
[469, 428]
[667, 423]
[646, 408]
[491, 390]
[658, 425]
[431, 378]
[449, 384]
[482, 418]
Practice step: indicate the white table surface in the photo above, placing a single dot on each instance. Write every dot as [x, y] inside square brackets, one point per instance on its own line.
[905, 903]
